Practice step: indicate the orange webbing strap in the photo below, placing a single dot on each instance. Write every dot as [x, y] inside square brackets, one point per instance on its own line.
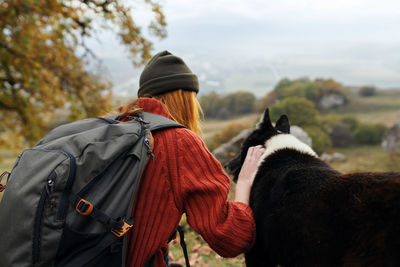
[133, 111]
[3, 186]
[151, 141]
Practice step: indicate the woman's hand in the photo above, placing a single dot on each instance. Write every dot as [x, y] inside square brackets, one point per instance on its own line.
[247, 174]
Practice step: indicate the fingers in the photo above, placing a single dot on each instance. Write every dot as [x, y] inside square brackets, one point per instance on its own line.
[251, 162]
[255, 152]
[247, 173]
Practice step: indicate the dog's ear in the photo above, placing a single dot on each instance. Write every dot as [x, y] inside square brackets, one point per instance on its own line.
[265, 121]
[283, 124]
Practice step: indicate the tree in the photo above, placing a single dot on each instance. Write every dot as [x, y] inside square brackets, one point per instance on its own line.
[222, 107]
[210, 103]
[239, 103]
[332, 87]
[304, 89]
[369, 134]
[44, 58]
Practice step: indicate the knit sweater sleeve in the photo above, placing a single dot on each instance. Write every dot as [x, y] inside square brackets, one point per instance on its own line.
[202, 190]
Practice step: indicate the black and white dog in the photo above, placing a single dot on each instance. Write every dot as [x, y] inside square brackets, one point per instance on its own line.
[308, 214]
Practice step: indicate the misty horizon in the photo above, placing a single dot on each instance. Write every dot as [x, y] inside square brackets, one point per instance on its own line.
[250, 46]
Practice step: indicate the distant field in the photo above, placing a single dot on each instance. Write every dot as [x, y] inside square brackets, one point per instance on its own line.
[383, 107]
[367, 159]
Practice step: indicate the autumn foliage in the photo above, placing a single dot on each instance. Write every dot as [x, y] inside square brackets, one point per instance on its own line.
[44, 59]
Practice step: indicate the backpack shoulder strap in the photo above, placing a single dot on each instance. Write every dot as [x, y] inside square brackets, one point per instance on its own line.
[158, 122]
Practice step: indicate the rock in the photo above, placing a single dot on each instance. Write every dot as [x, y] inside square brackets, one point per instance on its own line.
[338, 157]
[331, 101]
[391, 139]
[326, 157]
[225, 152]
[301, 135]
[335, 157]
[341, 135]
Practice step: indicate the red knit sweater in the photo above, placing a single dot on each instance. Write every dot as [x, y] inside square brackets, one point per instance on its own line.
[185, 178]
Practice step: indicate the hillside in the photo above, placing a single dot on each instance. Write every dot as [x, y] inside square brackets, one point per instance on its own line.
[384, 108]
[381, 108]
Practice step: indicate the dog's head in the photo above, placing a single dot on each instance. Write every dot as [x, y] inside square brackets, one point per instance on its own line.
[264, 131]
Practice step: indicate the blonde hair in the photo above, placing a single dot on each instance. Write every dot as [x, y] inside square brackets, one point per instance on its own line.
[182, 106]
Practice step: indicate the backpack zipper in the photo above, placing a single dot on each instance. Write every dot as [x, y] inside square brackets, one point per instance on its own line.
[46, 194]
[148, 146]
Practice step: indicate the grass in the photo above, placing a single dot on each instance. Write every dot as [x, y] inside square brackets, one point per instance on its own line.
[200, 254]
[383, 107]
[367, 159]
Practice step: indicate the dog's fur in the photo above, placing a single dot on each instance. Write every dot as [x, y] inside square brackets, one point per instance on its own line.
[308, 214]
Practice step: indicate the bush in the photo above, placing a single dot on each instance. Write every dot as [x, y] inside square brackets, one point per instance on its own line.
[367, 91]
[307, 90]
[340, 129]
[332, 87]
[313, 90]
[210, 104]
[369, 134]
[243, 102]
[300, 111]
[320, 139]
[222, 107]
[351, 122]
[341, 135]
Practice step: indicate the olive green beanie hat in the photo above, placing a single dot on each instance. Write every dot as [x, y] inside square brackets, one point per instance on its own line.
[164, 73]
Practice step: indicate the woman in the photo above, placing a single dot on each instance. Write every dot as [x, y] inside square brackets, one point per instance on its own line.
[184, 177]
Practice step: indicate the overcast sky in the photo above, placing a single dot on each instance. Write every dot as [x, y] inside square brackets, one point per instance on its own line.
[249, 45]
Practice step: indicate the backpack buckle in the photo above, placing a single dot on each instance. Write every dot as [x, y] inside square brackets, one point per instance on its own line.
[84, 207]
[123, 230]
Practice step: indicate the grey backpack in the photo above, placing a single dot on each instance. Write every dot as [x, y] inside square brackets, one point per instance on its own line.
[68, 200]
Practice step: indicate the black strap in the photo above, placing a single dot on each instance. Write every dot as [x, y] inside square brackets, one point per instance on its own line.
[150, 263]
[98, 215]
[157, 122]
[83, 258]
[183, 245]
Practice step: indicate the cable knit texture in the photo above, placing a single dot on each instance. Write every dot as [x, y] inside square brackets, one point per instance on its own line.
[185, 178]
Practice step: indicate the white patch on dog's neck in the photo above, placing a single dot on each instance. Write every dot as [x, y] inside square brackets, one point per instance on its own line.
[282, 141]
